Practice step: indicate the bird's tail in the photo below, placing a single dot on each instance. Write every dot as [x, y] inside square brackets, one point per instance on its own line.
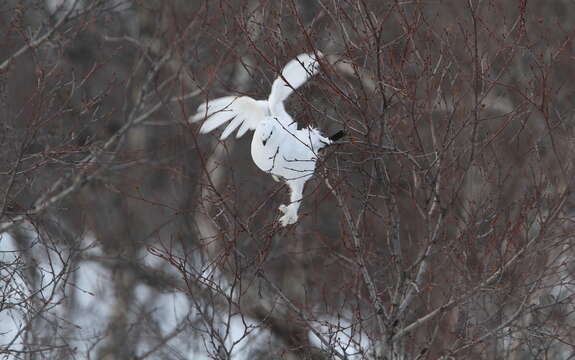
[338, 135]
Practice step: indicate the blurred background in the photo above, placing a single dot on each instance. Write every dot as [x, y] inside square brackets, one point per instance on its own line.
[440, 227]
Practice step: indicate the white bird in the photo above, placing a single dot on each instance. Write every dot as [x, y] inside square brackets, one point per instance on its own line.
[278, 147]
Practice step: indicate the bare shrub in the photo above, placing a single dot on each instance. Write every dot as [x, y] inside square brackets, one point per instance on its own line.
[440, 227]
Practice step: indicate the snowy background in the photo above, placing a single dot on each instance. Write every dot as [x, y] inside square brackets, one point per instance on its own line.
[440, 227]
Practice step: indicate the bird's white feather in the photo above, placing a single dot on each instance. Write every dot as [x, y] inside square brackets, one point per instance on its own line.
[293, 75]
[233, 125]
[210, 107]
[278, 147]
[237, 110]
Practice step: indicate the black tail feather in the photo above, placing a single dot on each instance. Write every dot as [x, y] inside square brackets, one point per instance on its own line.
[338, 135]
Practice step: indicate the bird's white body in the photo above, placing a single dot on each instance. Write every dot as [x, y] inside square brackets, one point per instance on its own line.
[277, 147]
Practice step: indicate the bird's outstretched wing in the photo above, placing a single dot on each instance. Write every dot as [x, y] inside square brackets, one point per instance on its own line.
[241, 111]
[245, 112]
[294, 74]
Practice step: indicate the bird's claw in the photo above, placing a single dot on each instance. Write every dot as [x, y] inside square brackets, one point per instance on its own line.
[289, 217]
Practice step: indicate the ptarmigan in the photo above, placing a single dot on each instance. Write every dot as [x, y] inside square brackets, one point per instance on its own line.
[278, 147]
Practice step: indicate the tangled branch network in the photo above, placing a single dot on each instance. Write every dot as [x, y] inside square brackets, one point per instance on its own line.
[278, 147]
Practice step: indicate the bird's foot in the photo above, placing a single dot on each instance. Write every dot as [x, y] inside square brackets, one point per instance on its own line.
[289, 217]
[276, 178]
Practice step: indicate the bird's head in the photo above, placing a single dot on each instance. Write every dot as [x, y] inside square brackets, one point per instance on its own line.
[265, 131]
